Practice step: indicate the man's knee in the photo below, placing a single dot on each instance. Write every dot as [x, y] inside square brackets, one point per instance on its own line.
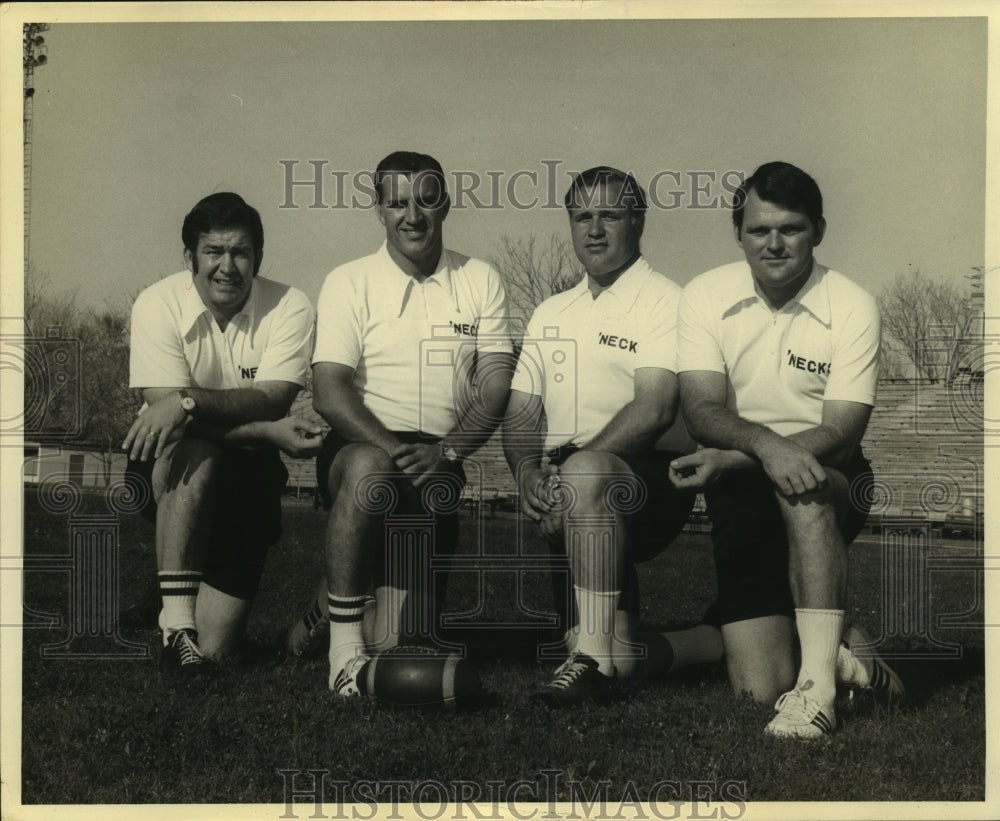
[221, 619]
[360, 474]
[600, 482]
[191, 463]
[760, 656]
[819, 507]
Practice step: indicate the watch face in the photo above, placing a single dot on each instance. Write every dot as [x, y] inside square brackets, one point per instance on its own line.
[187, 403]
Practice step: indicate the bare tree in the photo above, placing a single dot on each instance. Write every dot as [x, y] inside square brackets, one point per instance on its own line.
[926, 321]
[107, 404]
[533, 270]
[75, 368]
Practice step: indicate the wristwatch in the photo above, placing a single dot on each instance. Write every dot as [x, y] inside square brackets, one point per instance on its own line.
[187, 402]
[449, 453]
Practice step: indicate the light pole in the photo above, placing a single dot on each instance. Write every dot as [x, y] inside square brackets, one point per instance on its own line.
[34, 55]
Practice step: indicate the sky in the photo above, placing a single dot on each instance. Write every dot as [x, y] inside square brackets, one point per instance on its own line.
[135, 122]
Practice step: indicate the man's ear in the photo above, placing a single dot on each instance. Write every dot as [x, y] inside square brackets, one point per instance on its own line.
[446, 207]
[738, 233]
[820, 231]
[189, 260]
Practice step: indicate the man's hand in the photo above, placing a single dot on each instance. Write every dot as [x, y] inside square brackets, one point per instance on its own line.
[792, 468]
[158, 425]
[698, 470]
[536, 498]
[419, 462]
[295, 436]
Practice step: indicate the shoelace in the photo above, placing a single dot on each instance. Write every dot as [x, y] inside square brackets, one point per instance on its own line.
[799, 707]
[188, 651]
[568, 673]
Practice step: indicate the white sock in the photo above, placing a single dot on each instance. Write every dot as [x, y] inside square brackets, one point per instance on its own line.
[346, 639]
[597, 624]
[179, 590]
[819, 637]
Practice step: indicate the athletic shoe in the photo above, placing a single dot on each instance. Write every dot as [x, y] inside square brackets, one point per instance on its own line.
[576, 680]
[307, 637]
[883, 682]
[345, 684]
[182, 655]
[800, 716]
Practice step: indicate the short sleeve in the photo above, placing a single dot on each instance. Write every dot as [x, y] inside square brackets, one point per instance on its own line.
[338, 324]
[659, 348]
[493, 334]
[289, 341]
[529, 372]
[156, 350]
[698, 346]
[854, 368]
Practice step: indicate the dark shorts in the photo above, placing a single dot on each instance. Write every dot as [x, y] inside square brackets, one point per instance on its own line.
[246, 520]
[661, 518]
[750, 541]
[411, 501]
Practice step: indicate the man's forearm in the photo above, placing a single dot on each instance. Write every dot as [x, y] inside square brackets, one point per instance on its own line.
[483, 411]
[346, 414]
[635, 427]
[724, 429]
[237, 406]
[524, 433]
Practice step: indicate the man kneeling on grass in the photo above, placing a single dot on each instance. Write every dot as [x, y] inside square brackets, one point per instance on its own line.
[412, 371]
[219, 354]
[593, 417]
[777, 361]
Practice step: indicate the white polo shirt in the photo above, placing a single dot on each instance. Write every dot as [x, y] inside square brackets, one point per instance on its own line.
[411, 343]
[580, 354]
[782, 365]
[176, 342]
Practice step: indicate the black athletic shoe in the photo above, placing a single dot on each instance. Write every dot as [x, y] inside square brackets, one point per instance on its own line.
[182, 655]
[576, 680]
[307, 637]
[883, 681]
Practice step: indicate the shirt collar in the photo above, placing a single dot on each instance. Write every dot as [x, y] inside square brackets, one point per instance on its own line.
[401, 284]
[812, 296]
[193, 308]
[625, 289]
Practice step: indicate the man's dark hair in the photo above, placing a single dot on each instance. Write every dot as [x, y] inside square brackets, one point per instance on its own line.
[631, 195]
[220, 211]
[785, 185]
[410, 163]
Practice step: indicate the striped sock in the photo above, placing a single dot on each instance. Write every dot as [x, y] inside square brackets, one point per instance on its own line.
[179, 589]
[313, 617]
[346, 638]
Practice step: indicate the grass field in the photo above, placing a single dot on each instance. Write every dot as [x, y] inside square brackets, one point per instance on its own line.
[113, 731]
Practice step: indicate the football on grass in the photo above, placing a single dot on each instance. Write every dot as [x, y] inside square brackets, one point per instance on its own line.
[419, 677]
